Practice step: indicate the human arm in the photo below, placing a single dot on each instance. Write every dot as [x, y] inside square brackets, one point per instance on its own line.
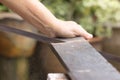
[38, 15]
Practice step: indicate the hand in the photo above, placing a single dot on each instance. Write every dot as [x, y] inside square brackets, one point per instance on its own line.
[39, 16]
[70, 29]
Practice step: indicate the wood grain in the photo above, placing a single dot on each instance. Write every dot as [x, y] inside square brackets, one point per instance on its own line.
[83, 62]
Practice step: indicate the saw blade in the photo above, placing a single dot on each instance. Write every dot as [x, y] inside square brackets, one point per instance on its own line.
[39, 37]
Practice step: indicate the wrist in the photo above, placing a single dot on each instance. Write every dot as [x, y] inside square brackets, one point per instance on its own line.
[52, 22]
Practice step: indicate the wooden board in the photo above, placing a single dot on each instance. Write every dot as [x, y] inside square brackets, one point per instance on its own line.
[83, 62]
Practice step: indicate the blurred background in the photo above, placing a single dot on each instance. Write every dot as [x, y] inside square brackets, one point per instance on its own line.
[99, 17]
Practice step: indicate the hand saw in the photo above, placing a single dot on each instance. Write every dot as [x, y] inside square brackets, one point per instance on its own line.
[45, 39]
[39, 37]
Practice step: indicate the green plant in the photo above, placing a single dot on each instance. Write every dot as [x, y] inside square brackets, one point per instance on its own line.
[91, 14]
[3, 8]
[96, 13]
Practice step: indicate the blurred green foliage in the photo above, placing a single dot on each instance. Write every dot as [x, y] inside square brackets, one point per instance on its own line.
[91, 14]
[3, 8]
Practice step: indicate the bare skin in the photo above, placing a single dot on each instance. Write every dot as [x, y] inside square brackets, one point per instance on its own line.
[38, 15]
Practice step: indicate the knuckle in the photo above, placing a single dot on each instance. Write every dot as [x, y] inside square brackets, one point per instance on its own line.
[72, 22]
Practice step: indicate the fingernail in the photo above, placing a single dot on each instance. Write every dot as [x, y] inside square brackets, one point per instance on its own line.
[89, 36]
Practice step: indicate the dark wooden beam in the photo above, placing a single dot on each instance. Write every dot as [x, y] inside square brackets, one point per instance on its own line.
[83, 62]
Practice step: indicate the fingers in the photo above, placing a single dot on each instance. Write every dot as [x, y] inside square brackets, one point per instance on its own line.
[82, 32]
[70, 29]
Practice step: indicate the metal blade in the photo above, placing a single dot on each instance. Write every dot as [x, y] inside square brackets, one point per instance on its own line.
[38, 37]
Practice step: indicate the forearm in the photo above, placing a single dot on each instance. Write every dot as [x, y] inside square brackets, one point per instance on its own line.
[33, 11]
[37, 14]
